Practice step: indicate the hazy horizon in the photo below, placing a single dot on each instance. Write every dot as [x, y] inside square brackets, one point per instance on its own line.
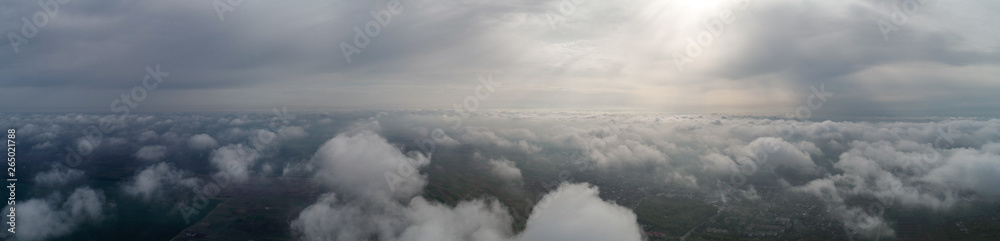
[502, 120]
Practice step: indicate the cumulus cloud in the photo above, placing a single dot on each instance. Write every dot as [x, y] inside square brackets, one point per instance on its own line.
[235, 161]
[903, 172]
[571, 212]
[933, 163]
[151, 153]
[237, 122]
[330, 219]
[442, 138]
[379, 188]
[58, 176]
[505, 169]
[930, 162]
[44, 146]
[263, 139]
[375, 175]
[615, 151]
[866, 220]
[967, 169]
[202, 142]
[776, 152]
[472, 220]
[576, 212]
[44, 219]
[150, 182]
[485, 137]
[365, 164]
[716, 163]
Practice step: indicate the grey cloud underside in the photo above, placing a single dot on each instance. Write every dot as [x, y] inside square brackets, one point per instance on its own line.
[602, 55]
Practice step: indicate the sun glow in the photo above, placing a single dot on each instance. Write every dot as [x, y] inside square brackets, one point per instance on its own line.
[668, 11]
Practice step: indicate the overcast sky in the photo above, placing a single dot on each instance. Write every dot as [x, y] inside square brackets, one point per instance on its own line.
[755, 56]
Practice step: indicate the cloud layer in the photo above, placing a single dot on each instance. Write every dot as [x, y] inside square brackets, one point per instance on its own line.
[375, 166]
[381, 185]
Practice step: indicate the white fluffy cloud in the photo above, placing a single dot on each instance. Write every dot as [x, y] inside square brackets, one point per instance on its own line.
[330, 219]
[969, 170]
[505, 169]
[58, 176]
[902, 172]
[775, 151]
[364, 163]
[486, 137]
[472, 220]
[235, 161]
[718, 164]
[571, 212]
[202, 142]
[379, 186]
[43, 219]
[151, 180]
[576, 212]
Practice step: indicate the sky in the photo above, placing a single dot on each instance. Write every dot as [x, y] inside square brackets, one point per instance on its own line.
[864, 57]
[554, 71]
